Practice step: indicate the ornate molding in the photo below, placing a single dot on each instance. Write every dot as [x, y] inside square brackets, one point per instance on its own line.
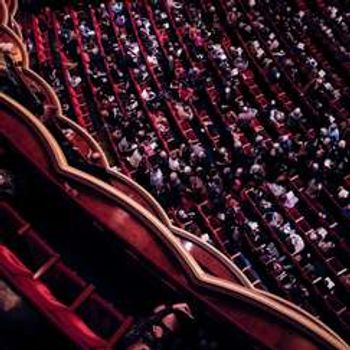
[146, 196]
[160, 224]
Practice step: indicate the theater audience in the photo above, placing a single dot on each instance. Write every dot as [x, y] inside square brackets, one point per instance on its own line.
[216, 126]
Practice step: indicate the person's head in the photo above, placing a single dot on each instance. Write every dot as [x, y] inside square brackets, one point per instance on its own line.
[327, 141]
[139, 346]
[328, 163]
[259, 139]
[2, 180]
[187, 170]
[227, 171]
[173, 176]
[315, 166]
[222, 150]
[237, 144]
[320, 153]
[323, 132]
[201, 155]
[199, 170]
[163, 154]
[342, 144]
[141, 133]
[239, 172]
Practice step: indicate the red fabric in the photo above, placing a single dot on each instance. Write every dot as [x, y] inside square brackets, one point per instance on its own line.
[66, 320]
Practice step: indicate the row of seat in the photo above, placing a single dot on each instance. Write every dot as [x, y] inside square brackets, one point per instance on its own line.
[253, 87]
[71, 303]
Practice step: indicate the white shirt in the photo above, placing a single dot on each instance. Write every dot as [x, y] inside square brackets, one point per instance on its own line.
[174, 164]
[297, 242]
[135, 159]
[290, 200]
[156, 178]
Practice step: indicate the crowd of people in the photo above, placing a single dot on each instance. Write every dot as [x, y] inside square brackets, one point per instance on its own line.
[214, 106]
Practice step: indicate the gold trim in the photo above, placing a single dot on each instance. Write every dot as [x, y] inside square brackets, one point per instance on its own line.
[292, 313]
[11, 22]
[6, 21]
[121, 177]
[3, 13]
[271, 303]
[12, 6]
[18, 43]
[161, 214]
[54, 99]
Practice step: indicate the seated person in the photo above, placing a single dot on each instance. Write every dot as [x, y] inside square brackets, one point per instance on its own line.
[157, 330]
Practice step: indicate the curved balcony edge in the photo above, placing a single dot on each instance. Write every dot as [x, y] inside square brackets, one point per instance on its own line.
[278, 306]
